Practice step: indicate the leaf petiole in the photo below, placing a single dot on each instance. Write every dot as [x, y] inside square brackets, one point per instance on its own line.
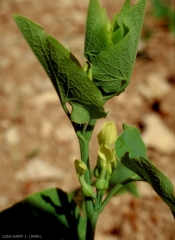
[134, 178]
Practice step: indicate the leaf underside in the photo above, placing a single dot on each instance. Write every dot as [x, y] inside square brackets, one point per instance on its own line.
[70, 81]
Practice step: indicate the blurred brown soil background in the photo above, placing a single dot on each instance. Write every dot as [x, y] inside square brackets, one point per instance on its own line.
[37, 143]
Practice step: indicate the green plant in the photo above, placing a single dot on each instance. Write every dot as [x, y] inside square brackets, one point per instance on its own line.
[110, 50]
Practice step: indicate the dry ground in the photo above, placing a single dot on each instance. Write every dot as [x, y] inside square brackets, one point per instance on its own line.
[33, 127]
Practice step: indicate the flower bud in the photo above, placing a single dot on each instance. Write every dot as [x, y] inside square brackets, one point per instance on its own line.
[101, 184]
[88, 191]
[86, 188]
[108, 133]
[80, 167]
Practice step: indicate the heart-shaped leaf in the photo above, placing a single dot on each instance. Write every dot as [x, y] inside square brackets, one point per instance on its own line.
[70, 81]
[50, 214]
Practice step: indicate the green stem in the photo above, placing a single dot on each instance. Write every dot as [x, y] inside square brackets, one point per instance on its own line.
[84, 139]
[90, 128]
[84, 151]
[91, 226]
[89, 203]
[100, 194]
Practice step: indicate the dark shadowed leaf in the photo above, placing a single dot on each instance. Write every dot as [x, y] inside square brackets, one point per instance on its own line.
[51, 214]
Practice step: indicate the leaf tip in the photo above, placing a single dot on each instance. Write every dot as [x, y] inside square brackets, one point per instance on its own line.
[16, 16]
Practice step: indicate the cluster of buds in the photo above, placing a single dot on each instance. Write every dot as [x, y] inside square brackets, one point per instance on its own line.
[106, 161]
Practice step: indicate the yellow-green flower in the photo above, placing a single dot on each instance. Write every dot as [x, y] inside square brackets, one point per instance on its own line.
[105, 153]
[106, 160]
[108, 133]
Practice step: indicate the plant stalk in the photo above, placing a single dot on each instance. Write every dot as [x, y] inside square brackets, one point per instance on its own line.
[91, 226]
[92, 216]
